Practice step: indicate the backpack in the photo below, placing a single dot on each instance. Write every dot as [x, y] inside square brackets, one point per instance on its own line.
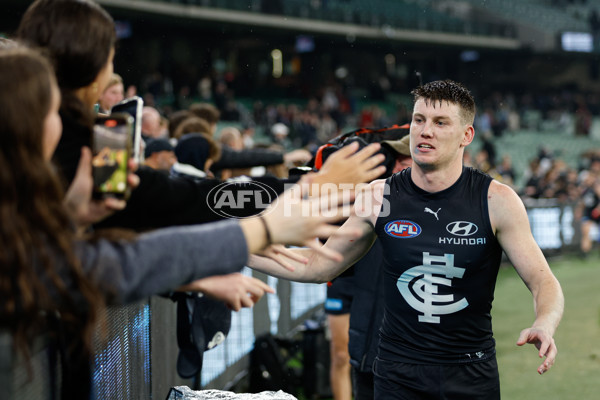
[364, 137]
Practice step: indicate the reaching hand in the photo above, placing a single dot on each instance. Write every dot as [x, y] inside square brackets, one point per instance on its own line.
[78, 200]
[544, 342]
[236, 290]
[297, 220]
[300, 156]
[282, 255]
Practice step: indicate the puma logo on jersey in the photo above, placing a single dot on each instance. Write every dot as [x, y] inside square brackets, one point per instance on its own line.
[435, 213]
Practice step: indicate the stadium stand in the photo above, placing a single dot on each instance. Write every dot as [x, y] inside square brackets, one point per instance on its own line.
[544, 15]
[400, 14]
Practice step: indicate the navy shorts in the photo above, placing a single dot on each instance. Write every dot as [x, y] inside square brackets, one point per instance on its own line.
[461, 381]
[339, 295]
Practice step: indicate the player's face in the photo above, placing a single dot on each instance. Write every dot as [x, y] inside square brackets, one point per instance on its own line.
[438, 134]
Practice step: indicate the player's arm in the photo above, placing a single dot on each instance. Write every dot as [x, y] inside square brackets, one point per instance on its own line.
[509, 219]
[319, 268]
[324, 267]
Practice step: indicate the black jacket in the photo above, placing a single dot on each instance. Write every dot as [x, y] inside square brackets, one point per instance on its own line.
[246, 158]
[366, 311]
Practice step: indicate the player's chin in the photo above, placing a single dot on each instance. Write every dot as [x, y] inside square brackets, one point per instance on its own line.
[425, 163]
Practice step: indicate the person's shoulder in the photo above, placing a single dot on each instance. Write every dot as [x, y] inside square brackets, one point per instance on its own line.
[501, 189]
[503, 200]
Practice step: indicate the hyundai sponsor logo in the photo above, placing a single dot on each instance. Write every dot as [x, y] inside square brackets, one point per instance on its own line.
[462, 228]
[402, 229]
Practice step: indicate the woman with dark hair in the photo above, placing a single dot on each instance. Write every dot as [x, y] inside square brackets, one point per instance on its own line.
[53, 284]
[35, 226]
[79, 38]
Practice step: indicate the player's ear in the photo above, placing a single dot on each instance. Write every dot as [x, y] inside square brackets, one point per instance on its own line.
[468, 135]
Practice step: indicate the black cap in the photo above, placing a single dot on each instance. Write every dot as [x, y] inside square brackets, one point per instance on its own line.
[209, 326]
[156, 145]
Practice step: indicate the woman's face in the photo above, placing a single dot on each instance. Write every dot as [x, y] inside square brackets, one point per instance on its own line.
[95, 89]
[105, 75]
[52, 125]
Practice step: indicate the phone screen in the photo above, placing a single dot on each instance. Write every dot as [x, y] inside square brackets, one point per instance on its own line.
[111, 147]
[133, 106]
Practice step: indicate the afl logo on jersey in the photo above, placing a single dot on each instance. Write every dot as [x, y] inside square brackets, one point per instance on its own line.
[402, 229]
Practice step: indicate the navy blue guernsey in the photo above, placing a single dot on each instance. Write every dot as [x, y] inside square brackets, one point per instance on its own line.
[441, 261]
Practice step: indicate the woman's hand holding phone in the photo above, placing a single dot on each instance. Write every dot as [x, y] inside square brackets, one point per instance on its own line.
[85, 210]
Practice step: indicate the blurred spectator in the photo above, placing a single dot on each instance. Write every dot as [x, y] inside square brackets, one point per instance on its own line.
[279, 134]
[231, 138]
[153, 126]
[208, 112]
[131, 91]
[490, 148]
[590, 211]
[195, 153]
[327, 128]
[159, 154]
[192, 125]
[175, 119]
[248, 131]
[583, 118]
[112, 95]
[506, 171]
[532, 176]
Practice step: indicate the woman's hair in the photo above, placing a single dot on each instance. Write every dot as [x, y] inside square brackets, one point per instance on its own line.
[77, 36]
[176, 118]
[206, 111]
[39, 272]
[192, 124]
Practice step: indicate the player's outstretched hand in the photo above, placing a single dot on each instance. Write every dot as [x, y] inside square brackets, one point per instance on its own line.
[544, 342]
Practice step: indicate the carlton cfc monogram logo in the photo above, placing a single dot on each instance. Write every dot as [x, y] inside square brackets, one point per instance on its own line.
[419, 287]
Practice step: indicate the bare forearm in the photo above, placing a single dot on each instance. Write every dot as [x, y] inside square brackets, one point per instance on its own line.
[308, 273]
[549, 304]
[255, 234]
[319, 269]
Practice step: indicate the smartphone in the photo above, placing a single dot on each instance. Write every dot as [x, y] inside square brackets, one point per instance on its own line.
[112, 142]
[133, 106]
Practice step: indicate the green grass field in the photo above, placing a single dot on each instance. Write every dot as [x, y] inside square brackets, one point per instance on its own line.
[576, 373]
